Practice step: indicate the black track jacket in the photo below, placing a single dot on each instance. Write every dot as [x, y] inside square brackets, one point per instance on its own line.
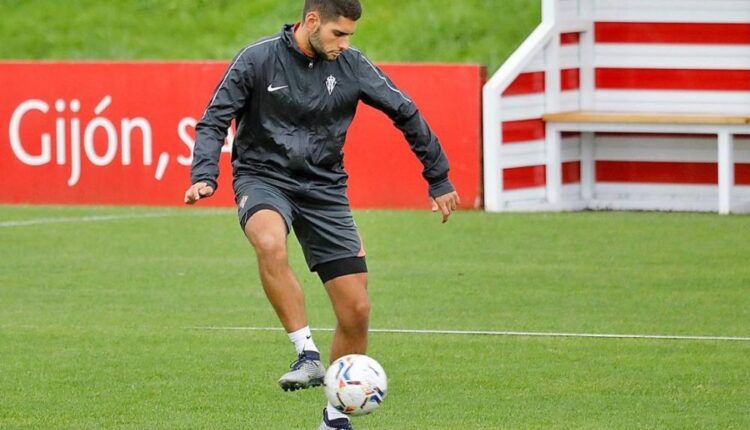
[293, 112]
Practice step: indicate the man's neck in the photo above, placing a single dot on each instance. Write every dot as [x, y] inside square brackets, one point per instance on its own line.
[303, 40]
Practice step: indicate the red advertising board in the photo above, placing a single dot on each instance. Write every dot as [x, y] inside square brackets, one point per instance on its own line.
[122, 133]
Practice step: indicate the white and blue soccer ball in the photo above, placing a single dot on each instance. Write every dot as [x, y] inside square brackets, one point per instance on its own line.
[356, 384]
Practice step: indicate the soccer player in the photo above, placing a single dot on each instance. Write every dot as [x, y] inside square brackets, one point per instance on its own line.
[294, 95]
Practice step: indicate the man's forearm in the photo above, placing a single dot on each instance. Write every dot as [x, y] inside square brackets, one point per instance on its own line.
[426, 147]
[206, 154]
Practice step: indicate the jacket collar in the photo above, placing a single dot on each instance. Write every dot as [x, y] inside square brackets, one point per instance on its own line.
[287, 35]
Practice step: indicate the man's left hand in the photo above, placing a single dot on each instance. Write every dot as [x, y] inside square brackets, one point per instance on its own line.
[447, 203]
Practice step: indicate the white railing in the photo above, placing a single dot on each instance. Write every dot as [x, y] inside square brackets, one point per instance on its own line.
[500, 81]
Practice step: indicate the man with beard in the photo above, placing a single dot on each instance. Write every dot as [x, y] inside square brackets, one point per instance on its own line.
[294, 95]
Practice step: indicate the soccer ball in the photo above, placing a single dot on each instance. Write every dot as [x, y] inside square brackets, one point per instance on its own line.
[356, 384]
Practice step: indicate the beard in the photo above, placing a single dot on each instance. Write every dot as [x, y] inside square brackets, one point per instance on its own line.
[318, 47]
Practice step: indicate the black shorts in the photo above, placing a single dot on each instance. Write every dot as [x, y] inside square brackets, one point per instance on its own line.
[321, 219]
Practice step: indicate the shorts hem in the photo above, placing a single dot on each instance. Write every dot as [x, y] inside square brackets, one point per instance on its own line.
[257, 208]
[340, 267]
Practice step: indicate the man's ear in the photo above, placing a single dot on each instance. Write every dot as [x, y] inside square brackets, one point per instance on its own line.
[312, 21]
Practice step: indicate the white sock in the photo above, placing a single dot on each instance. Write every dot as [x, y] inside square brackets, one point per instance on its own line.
[302, 340]
[334, 413]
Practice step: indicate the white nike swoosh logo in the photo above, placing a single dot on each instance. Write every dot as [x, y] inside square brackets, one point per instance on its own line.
[271, 88]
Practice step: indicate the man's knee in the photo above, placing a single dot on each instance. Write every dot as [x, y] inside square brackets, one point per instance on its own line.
[268, 245]
[362, 311]
[271, 254]
[267, 234]
[357, 316]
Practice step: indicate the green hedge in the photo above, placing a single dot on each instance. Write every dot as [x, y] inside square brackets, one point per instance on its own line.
[474, 31]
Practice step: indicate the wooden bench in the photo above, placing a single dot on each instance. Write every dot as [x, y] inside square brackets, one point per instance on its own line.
[723, 126]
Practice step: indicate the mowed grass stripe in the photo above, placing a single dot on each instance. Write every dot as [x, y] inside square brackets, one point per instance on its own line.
[502, 333]
[100, 218]
[168, 379]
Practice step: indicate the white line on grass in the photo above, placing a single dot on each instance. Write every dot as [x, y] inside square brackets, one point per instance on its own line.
[101, 218]
[504, 333]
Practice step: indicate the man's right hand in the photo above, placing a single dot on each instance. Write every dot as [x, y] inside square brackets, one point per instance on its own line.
[198, 191]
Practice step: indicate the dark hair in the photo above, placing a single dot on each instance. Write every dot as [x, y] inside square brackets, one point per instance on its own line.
[331, 10]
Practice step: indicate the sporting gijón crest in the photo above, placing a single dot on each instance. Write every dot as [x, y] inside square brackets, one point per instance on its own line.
[330, 84]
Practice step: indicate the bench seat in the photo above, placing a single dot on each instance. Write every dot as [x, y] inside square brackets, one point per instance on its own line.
[646, 118]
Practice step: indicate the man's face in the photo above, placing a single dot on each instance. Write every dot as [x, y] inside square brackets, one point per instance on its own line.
[332, 38]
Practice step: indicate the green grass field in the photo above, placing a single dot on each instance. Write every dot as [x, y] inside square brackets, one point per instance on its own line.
[95, 317]
[475, 31]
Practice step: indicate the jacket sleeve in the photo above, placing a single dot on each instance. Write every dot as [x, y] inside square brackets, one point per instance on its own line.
[379, 92]
[228, 98]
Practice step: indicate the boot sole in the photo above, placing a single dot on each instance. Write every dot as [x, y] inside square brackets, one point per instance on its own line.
[294, 386]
